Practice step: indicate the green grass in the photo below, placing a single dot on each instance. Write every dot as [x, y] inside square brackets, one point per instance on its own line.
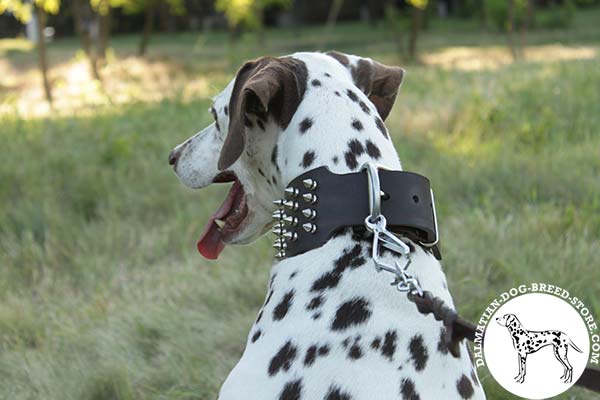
[103, 295]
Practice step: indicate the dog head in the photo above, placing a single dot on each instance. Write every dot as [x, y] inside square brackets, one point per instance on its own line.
[508, 320]
[265, 121]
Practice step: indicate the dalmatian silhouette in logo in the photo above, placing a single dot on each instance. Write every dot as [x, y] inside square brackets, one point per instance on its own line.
[527, 342]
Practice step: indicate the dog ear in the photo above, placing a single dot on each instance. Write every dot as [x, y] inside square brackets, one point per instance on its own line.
[379, 82]
[265, 87]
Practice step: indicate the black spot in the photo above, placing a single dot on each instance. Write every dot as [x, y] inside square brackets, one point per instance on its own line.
[248, 123]
[376, 343]
[442, 344]
[256, 336]
[350, 160]
[260, 314]
[389, 345]
[350, 258]
[311, 355]
[364, 107]
[260, 171]
[292, 390]
[305, 124]
[315, 82]
[283, 359]
[335, 160]
[356, 124]
[337, 93]
[316, 316]
[326, 281]
[260, 124]
[214, 113]
[373, 150]
[418, 352]
[351, 95]
[464, 387]
[407, 389]
[274, 155]
[293, 275]
[274, 179]
[355, 352]
[268, 297]
[327, 74]
[350, 313]
[381, 127]
[226, 110]
[315, 303]
[283, 307]
[356, 147]
[346, 342]
[308, 159]
[335, 393]
[323, 350]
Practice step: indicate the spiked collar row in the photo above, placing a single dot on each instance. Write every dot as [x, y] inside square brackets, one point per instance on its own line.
[319, 203]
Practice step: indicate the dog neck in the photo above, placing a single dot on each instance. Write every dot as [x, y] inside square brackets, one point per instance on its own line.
[319, 136]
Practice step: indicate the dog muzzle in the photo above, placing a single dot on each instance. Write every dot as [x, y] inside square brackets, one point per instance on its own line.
[319, 203]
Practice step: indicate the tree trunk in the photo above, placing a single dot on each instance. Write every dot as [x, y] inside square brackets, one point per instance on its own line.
[391, 15]
[43, 60]
[510, 21]
[415, 27]
[260, 31]
[332, 17]
[148, 27]
[79, 28]
[104, 35]
[84, 35]
[525, 26]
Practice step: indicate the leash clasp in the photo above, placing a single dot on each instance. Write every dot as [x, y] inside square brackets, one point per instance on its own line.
[376, 223]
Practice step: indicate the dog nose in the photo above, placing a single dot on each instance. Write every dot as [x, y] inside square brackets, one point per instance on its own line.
[174, 156]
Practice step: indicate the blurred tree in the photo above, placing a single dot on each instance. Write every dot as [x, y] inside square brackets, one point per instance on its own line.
[415, 25]
[23, 11]
[82, 14]
[332, 16]
[247, 14]
[392, 15]
[149, 8]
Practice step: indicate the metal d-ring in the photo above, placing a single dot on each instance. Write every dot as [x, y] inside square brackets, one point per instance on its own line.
[374, 192]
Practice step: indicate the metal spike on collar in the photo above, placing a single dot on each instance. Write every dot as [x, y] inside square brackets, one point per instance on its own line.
[309, 213]
[309, 227]
[288, 219]
[280, 245]
[310, 184]
[279, 230]
[279, 202]
[291, 235]
[278, 214]
[280, 254]
[292, 191]
[290, 205]
[309, 198]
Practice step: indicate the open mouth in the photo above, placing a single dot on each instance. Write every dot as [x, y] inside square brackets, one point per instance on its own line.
[226, 222]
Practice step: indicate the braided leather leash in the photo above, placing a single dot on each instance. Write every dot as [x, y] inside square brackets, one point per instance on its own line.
[456, 327]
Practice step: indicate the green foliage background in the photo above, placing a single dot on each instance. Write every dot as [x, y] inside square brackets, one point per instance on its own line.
[103, 295]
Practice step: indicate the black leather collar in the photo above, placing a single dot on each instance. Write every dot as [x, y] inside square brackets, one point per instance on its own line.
[319, 203]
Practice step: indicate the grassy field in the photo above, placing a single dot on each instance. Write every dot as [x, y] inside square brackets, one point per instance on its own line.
[102, 293]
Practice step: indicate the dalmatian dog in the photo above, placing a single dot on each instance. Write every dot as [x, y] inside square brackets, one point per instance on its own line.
[527, 342]
[330, 327]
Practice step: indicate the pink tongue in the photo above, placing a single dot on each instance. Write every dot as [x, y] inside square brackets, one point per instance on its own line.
[211, 243]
